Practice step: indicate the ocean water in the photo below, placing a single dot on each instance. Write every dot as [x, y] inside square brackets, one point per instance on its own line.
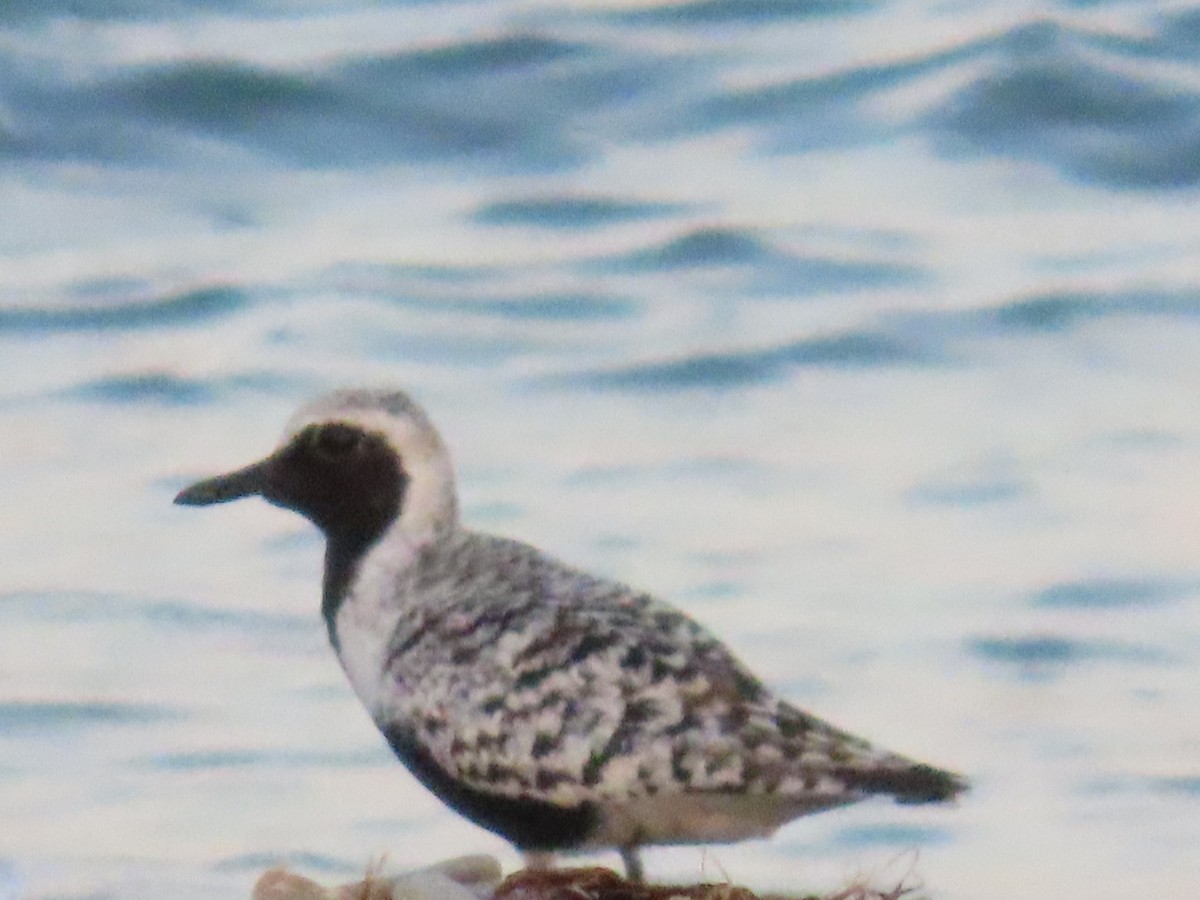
[866, 332]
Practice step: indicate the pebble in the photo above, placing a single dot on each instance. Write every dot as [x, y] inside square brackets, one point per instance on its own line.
[462, 878]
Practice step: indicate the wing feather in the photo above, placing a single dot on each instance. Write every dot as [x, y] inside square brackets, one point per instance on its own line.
[535, 680]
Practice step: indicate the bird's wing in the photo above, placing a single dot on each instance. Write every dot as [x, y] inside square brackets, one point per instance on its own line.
[546, 683]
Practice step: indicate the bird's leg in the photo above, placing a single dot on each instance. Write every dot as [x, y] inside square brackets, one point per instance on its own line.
[538, 860]
[633, 864]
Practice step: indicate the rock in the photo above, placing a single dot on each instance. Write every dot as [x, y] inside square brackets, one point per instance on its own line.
[461, 878]
[280, 884]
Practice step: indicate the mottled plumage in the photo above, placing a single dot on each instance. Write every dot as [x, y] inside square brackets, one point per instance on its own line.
[560, 710]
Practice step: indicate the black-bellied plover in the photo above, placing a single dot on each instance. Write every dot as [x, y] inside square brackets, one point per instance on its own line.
[562, 711]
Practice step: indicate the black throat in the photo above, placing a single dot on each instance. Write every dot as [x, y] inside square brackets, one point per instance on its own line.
[349, 483]
[342, 556]
[367, 509]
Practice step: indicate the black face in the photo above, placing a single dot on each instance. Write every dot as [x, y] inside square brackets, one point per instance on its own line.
[348, 481]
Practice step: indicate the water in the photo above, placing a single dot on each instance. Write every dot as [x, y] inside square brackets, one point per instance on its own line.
[869, 333]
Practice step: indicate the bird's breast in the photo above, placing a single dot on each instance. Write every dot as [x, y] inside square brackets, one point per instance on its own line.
[364, 627]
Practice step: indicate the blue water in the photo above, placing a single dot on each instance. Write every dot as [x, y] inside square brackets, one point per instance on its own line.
[867, 332]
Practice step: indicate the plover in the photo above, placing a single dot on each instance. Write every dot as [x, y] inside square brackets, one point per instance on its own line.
[560, 710]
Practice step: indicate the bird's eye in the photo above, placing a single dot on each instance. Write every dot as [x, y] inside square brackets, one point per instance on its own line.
[336, 441]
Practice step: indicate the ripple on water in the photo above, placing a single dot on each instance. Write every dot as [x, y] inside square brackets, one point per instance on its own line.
[455, 292]
[767, 267]
[1179, 36]
[977, 483]
[1182, 785]
[744, 12]
[872, 836]
[47, 715]
[222, 97]
[189, 616]
[1187, 785]
[546, 307]
[728, 369]
[819, 111]
[512, 98]
[571, 211]
[188, 308]
[890, 835]
[295, 116]
[969, 491]
[1111, 593]
[159, 388]
[77, 607]
[470, 59]
[1059, 96]
[209, 760]
[709, 246]
[24, 11]
[1060, 311]
[1038, 656]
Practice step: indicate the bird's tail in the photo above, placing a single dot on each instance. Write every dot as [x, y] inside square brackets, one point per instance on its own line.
[910, 783]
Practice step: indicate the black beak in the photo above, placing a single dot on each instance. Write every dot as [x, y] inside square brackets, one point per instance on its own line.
[233, 486]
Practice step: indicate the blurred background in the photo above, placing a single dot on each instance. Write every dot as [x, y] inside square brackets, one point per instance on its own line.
[866, 332]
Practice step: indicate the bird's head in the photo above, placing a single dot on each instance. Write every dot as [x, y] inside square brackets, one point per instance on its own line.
[357, 463]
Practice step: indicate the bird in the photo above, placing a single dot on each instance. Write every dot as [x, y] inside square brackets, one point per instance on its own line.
[561, 710]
